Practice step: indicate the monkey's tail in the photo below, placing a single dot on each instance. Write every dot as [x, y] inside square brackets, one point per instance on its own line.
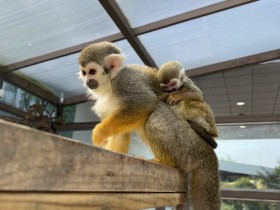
[205, 193]
[203, 134]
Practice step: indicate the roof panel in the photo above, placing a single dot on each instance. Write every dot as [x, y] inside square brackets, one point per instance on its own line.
[227, 35]
[33, 28]
[143, 12]
[61, 74]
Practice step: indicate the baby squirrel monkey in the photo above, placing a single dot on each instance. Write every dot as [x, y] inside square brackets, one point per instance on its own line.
[127, 100]
[178, 87]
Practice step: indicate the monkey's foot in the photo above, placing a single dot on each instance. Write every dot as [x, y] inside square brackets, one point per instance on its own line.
[167, 162]
[173, 99]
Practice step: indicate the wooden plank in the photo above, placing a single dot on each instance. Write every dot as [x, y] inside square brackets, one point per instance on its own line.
[31, 160]
[85, 201]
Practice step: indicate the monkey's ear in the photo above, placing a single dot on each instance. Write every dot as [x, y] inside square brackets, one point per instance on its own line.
[114, 63]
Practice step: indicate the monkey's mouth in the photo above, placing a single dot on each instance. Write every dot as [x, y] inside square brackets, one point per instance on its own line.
[92, 84]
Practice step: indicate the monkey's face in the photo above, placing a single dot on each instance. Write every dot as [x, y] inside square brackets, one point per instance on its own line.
[92, 75]
[98, 76]
[172, 85]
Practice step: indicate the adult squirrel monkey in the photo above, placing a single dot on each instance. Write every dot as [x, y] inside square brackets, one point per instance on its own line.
[192, 106]
[127, 99]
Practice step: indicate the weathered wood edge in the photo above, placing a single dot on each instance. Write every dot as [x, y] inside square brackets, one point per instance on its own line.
[31, 160]
[81, 201]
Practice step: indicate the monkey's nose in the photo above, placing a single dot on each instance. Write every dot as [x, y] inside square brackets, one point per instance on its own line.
[92, 84]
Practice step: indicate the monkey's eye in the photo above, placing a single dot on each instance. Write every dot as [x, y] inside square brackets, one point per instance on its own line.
[84, 73]
[92, 71]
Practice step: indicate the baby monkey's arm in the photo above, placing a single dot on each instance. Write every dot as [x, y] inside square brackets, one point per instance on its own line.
[181, 95]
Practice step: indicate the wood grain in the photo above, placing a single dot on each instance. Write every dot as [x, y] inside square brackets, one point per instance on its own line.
[85, 201]
[31, 160]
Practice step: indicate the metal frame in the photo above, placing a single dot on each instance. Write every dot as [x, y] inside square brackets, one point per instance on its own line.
[239, 62]
[11, 110]
[250, 194]
[120, 20]
[248, 119]
[30, 87]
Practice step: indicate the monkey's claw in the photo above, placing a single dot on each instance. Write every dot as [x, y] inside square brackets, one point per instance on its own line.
[172, 100]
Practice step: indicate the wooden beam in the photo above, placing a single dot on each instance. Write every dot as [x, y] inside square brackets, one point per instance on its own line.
[31, 160]
[75, 100]
[31, 88]
[12, 110]
[120, 20]
[235, 63]
[250, 194]
[187, 16]
[85, 201]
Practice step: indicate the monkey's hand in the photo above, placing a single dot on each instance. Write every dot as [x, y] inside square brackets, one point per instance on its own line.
[99, 137]
[114, 125]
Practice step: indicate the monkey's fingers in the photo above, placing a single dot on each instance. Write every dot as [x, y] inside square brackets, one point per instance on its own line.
[172, 101]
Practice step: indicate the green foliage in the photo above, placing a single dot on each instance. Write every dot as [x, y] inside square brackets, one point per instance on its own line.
[271, 179]
[69, 113]
[245, 182]
[226, 206]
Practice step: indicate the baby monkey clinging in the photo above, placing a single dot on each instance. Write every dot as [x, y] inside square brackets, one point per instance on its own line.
[179, 87]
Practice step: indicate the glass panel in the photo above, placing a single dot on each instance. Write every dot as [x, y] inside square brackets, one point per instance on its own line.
[82, 136]
[239, 150]
[67, 134]
[6, 114]
[234, 33]
[22, 100]
[131, 56]
[146, 11]
[9, 93]
[60, 75]
[69, 114]
[33, 28]
[50, 109]
[79, 113]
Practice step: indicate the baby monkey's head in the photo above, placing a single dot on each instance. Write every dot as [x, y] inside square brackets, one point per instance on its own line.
[171, 76]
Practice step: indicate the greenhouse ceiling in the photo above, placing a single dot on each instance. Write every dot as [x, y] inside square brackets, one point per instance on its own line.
[229, 48]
